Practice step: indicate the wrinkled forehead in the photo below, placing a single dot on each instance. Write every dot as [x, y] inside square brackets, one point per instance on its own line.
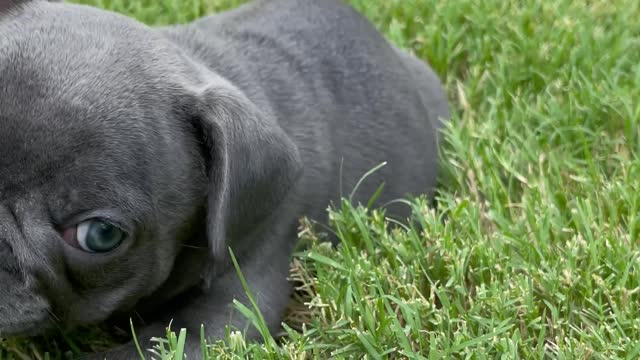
[80, 51]
[62, 155]
[83, 94]
[86, 56]
[72, 59]
[59, 126]
[58, 122]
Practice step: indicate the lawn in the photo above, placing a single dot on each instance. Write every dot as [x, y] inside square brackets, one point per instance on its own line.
[531, 252]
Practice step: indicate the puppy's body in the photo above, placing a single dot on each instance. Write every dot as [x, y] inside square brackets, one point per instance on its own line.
[216, 134]
[338, 89]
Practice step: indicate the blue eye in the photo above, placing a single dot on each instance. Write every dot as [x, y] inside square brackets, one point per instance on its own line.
[98, 236]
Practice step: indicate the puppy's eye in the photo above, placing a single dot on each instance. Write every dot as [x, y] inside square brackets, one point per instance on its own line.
[95, 236]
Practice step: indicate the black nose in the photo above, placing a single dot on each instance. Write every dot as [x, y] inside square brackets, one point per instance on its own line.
[8, 262]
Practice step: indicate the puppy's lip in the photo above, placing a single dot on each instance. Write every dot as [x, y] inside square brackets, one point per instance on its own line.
[25, 327]
[23, 311]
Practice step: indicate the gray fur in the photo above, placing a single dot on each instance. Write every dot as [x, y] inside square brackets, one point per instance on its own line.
[193, 138]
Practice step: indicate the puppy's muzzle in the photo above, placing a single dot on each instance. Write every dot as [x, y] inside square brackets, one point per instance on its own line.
[22, 311]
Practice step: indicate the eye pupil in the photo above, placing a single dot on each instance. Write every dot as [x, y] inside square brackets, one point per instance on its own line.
[104, 229]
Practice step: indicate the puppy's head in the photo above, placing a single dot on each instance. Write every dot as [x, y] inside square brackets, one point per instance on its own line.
[117, 154]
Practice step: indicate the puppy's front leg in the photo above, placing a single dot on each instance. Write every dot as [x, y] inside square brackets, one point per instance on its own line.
[265, 268]
[265, 271]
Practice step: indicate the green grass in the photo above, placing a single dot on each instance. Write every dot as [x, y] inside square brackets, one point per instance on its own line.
[532, 250]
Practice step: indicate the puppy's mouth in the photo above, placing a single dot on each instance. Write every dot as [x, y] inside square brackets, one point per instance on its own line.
[24, 327]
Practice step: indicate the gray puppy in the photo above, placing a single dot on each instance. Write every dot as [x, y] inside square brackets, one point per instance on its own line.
[133, 158]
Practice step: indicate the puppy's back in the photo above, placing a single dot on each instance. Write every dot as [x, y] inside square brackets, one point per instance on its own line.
[347, 97]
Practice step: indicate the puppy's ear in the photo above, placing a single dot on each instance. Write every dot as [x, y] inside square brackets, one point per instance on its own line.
[252, 164]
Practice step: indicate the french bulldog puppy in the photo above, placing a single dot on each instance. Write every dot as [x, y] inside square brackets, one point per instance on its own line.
[133, 158]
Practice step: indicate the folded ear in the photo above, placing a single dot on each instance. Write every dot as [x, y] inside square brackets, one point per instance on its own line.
[252, 164]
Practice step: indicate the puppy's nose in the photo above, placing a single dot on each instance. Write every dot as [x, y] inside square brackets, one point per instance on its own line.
[8, 262]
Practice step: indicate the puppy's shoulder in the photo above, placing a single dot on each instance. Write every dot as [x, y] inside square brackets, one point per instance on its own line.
[278, 18]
